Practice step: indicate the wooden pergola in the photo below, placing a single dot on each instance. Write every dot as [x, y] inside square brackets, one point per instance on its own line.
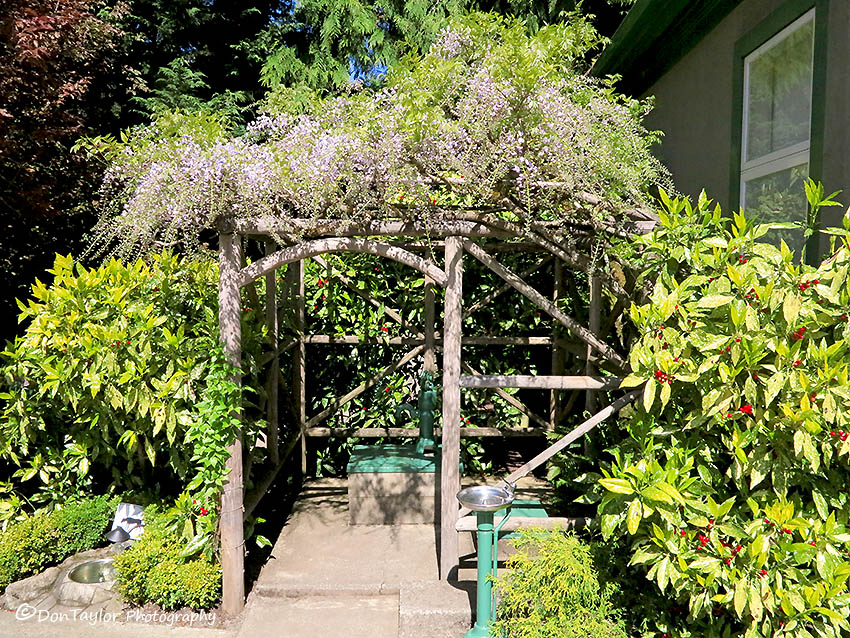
[399, 240]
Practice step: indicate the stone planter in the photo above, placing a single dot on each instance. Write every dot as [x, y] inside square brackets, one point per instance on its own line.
[53, 590]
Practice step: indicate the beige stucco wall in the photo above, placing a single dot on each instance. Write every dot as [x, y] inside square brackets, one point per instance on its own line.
[694, 104]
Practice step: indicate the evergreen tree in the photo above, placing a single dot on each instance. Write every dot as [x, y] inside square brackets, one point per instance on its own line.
[324, 43]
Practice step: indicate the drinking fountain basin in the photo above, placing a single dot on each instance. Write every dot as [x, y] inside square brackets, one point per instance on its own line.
[485, 498]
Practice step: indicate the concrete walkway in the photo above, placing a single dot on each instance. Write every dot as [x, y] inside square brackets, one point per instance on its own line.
[46, 626]
[328, 578]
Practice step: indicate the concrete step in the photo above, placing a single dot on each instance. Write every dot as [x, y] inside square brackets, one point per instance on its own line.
[435, 609]
[322, 616]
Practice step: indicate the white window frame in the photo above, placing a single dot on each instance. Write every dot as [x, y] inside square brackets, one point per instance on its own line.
[784, 158]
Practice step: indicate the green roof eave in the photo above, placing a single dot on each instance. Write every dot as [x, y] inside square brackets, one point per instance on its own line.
[654, 36]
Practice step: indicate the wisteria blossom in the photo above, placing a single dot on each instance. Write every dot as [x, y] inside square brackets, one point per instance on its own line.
[492, 118]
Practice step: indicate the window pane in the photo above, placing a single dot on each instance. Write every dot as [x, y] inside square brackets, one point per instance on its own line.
[780, 93]
[779, 197]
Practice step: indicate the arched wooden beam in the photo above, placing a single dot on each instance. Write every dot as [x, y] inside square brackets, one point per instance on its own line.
[338, 245]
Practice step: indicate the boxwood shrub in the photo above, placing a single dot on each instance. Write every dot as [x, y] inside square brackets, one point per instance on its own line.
[154, 570]
[30, 545]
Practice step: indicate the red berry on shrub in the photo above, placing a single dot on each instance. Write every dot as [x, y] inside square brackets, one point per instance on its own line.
[797, 363]
[812, 543]
[683, 532]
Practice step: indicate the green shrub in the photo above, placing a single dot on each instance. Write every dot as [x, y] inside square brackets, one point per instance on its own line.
[42, 540]
[732, 483]
[106, 383]
[553, 591]
[154, 570]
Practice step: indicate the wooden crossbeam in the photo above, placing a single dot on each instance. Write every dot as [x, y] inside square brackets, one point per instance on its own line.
[397, 433]
[514, 523]
[396, 341]
[344, 227]
[541, 382]
[336, 404]
[512, 400]
[544, 304]
[308, 249]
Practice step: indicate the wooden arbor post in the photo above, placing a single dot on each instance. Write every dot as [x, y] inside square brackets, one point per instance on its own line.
[450, 468]
[232, 534]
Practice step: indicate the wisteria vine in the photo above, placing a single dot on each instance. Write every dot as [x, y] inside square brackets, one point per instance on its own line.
[491, 119]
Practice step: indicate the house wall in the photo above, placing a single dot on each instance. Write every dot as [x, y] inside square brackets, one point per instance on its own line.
[693, 106]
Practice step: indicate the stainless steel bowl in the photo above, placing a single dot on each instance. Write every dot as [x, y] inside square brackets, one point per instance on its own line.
[485, 498]
[93, 571]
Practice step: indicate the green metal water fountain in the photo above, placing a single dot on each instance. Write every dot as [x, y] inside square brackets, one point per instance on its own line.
[485, 501]
[423, 413]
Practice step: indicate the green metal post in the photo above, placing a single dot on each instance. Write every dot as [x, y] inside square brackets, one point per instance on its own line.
[484, 602]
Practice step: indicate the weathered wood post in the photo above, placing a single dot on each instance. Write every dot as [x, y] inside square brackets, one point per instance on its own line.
[232, 534]
[450, 468]
[274, 370]
[557, 349]
[430, 354]
[595, 325]
[300, 369]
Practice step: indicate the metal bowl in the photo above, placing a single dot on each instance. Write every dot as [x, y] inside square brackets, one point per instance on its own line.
[485, 498]
[93, 571]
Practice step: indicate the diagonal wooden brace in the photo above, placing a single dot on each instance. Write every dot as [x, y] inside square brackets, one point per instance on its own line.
[544, 304]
